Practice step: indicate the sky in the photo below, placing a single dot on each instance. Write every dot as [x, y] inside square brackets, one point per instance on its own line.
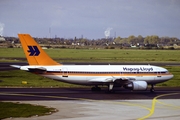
[90, 19]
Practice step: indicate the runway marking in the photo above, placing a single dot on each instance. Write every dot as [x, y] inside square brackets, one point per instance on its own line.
[154, 101]
[168, 105]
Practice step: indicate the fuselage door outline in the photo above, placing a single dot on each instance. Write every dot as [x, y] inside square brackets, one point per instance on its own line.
[64, 72]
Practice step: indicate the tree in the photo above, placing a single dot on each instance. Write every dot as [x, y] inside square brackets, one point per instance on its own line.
[155, 39]
[146, 40]
[132, 39]
[140, 39]
[117, 40]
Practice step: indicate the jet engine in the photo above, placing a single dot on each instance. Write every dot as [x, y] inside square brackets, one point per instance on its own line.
[137, 85]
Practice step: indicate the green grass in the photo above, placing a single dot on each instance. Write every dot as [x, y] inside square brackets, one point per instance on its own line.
[11, 52]
[101, 55]
[14, 78]
[15, 110]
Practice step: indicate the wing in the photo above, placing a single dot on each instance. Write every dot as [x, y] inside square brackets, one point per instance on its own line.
[114, 80]
[126, 82]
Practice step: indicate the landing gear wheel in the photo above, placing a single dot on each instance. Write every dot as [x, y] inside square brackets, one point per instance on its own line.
[111, 91]
[96, 88]
[152, 88]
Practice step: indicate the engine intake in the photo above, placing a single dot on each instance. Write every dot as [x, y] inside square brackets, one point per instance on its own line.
[137, 85]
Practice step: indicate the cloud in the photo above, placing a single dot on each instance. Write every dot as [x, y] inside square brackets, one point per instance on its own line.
[1, 28]
[107, 32]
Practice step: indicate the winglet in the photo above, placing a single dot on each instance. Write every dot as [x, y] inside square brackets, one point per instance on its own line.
[34, 53]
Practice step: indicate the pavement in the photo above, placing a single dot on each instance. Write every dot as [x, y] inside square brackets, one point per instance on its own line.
[163, 104]
[109, 109]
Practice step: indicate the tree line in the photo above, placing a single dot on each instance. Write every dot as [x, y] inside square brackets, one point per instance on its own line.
[139, 41]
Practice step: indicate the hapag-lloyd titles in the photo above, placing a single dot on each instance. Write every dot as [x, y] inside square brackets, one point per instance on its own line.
[142, 69]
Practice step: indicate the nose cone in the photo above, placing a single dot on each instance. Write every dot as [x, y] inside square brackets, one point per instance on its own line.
[171, 76]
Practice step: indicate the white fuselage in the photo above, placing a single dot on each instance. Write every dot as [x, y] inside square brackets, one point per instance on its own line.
[102, 74]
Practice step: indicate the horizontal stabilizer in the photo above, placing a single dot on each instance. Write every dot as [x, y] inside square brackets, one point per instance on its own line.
[16, 66]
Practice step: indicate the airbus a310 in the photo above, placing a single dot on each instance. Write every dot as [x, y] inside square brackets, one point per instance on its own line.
[133, 77]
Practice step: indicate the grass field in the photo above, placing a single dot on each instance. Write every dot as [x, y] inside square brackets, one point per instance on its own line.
[101, 55]
[14, 110]
[15, 78]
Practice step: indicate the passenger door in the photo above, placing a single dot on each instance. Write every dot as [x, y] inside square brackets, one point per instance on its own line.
[64, 72]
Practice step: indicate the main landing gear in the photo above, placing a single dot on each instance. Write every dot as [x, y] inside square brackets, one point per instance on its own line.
[96, 88]
[152, 88]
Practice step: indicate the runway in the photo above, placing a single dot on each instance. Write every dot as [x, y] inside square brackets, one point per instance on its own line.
[25, 94]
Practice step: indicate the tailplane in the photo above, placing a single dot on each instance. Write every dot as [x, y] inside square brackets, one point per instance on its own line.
[34, 53]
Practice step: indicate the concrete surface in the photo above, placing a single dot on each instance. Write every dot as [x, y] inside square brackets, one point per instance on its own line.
[168, 109]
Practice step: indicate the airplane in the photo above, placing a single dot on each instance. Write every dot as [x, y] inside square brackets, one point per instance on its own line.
[133, 77]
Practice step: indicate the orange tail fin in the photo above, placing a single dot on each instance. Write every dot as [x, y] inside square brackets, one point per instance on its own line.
[34, 53]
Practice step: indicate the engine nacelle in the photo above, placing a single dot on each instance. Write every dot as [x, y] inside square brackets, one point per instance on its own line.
[137, 85]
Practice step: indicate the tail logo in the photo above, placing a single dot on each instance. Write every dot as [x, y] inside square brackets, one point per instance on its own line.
[33, 50]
